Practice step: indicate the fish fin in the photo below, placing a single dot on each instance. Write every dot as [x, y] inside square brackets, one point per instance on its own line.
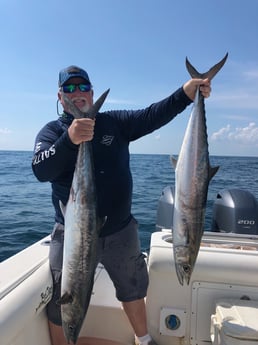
[211, 72]
[62, 207]
[65, 299]
[213, 171]
[92, 112]
[173, 161]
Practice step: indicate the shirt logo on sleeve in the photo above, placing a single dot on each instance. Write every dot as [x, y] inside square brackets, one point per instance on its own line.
[41, 156]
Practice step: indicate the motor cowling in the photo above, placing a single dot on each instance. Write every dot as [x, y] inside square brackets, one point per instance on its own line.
[165, 209]
[236, 211]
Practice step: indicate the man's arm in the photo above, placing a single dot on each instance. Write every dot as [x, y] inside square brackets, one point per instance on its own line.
[54, 153]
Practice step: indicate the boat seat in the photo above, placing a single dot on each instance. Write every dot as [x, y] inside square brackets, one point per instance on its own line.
[235, 322]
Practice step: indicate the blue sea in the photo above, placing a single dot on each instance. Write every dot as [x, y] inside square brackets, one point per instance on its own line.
[26, 212]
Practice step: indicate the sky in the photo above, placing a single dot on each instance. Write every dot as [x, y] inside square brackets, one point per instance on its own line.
[136, 48]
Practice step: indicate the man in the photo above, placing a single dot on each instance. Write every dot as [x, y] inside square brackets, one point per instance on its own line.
[111, 132]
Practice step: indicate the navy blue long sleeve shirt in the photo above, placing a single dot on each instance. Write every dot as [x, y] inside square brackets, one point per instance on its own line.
[55, 156]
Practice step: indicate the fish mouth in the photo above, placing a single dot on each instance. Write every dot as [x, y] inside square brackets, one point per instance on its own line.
[71, 331]
[183, 263]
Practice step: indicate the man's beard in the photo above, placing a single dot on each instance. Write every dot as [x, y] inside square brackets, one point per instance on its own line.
[86, 105]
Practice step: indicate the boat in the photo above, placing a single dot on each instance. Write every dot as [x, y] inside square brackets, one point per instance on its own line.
[219, 306]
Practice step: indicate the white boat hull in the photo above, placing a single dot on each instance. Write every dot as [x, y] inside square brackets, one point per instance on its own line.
[225, 268]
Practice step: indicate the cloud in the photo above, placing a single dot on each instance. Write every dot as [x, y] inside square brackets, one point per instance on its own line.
[157, 137]
[221, 133]
[5, 131]
[240, 135]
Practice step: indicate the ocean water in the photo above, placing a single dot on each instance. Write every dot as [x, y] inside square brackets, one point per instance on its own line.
[26, 212]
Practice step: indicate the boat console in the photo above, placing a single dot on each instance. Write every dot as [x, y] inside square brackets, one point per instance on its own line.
[226, 269]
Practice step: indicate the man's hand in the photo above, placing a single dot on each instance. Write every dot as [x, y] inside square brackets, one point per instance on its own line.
[81, 130]
[191, 86]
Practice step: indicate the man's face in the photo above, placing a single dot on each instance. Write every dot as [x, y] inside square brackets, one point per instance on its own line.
[82, 99]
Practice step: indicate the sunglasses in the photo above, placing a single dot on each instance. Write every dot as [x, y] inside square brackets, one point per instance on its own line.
[70, 88]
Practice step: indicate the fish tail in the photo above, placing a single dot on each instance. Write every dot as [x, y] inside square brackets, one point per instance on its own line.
[97, 105]
[211, 72]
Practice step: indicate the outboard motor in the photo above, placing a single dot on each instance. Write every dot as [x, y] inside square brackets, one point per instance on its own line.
[235, 210]
[165, 209]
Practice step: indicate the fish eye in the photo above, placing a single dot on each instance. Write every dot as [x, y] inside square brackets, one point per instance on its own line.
[186, 268]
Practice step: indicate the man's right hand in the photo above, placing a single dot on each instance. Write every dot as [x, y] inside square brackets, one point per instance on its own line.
[81, 130]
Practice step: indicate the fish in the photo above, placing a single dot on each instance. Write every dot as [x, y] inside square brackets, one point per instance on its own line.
[82, 226]
[193, 173]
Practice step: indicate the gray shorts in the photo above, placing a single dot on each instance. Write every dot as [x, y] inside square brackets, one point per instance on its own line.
[120, 254]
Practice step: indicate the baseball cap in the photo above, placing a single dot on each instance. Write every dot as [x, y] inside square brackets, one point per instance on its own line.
[70, 72]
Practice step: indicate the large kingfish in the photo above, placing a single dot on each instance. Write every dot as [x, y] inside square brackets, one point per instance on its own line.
[82, 225]
[192, 175]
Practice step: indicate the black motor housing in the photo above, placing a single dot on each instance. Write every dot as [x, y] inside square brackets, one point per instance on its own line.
[165, 209]
[236, 211]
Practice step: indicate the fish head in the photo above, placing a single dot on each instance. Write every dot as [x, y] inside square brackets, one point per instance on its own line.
[184, 264]
[71, 329]
[72, 320]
